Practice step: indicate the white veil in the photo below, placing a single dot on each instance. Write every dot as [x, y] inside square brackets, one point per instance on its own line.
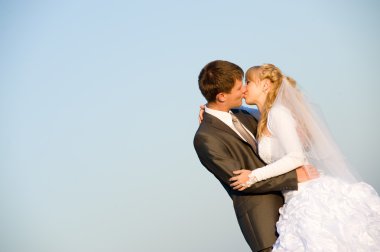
[317, 143]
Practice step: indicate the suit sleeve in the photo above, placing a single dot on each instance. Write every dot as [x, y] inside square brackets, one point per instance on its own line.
[253, 112]
[214, 155]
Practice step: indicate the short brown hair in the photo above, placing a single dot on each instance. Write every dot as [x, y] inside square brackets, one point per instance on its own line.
[218, 76]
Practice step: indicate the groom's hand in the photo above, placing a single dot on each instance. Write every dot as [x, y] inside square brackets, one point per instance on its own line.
[306, 172]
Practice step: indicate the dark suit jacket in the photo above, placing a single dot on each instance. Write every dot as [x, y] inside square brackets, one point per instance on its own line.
[222, 151]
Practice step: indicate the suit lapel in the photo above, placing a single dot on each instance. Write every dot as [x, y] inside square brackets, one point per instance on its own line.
[216, 123]
[247, 121]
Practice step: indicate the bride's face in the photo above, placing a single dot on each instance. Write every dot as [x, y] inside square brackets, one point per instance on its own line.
[254, 89]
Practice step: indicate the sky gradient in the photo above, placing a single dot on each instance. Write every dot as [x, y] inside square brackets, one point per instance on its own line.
[99, 104]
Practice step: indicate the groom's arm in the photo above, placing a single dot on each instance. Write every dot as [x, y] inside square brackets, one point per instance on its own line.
[252, 111]
[214, 156]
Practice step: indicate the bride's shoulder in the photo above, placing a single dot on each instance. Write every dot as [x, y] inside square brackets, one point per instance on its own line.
[279, 116]
[279, 111]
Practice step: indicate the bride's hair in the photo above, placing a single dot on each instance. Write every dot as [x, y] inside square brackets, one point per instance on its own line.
[275, 76]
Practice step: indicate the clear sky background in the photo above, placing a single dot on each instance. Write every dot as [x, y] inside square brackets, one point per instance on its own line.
[99, 104]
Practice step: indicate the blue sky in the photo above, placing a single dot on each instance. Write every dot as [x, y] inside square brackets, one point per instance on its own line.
[99, 104]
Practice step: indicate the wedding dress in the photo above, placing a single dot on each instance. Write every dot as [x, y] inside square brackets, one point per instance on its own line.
[324, 214]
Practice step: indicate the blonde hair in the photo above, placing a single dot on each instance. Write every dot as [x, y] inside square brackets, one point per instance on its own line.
[275, 76]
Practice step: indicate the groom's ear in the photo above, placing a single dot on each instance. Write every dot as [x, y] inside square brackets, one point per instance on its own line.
[221, 97]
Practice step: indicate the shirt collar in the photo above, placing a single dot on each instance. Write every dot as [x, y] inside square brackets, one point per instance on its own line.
[221, 115]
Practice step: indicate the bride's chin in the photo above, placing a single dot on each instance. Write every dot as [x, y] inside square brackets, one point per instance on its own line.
[249, 102]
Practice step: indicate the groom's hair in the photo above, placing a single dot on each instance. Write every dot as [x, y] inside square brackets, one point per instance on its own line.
[218, 76]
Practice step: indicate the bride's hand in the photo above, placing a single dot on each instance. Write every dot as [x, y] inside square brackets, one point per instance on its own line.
[201, 111]
[240, 179]
[306, 172]
[311, 171]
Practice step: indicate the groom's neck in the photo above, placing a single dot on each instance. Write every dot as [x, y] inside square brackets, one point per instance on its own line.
[218, 106]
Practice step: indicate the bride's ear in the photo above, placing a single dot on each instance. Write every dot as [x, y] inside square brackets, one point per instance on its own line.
[266, 85]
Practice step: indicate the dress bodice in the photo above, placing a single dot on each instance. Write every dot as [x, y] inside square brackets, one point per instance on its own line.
[264, 149]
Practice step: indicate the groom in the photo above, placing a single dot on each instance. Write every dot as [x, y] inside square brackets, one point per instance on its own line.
[222, 149]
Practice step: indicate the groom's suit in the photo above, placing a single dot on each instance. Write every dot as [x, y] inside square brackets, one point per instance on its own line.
[222, 151]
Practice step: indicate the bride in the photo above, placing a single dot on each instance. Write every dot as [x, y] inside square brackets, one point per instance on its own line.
[334, 212]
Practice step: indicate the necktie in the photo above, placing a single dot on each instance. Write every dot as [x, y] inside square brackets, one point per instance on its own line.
[243, 132]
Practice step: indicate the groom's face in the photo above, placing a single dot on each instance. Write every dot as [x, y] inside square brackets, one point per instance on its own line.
[234, 98]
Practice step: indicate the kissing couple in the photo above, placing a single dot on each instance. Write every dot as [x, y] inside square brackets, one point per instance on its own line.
[291, 187]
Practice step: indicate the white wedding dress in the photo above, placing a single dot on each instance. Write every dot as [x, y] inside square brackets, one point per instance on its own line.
[324, 214]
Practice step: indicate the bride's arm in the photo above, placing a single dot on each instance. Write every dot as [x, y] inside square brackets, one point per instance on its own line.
[216, 157]
[283, 127]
